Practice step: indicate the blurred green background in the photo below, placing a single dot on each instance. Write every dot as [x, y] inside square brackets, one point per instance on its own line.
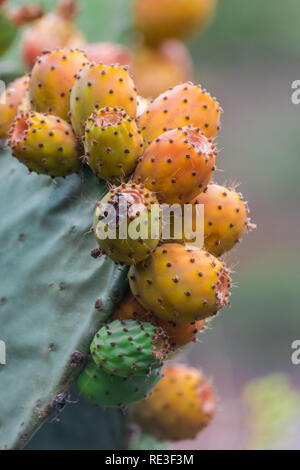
[248, 58]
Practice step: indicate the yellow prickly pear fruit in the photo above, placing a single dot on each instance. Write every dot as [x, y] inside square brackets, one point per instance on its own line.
[180, 406]
[181, 283]
[9, 103]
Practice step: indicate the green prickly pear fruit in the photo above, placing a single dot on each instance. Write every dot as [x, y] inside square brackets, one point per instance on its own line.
[181, 405]
[181, 283]
[130, 347]
[45, 144]
[185, 104]
[10, 102]
[98, 86]
[102, 389]
[52, 78]
[123, 210]
[177, 165]
[113, 143]
[226, 218]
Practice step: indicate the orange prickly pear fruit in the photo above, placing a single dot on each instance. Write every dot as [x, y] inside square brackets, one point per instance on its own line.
[129, 203]
[180, 406]
[108, 53]
[112, 143]
[9, 103]
[181, 283]
[162, 19]
[52, 77]
[177, 165]
[183, 105]
[157, 69]
[226, 218]
[178, 334]
[55, 30]
[98, 86]
[45, 144]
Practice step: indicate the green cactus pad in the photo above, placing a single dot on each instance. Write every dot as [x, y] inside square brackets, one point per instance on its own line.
[129, 347]
[103, 389]
[48, 291]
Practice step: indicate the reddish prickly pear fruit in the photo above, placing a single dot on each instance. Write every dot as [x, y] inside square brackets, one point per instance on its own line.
[53, 31]
[162, 19]
[127, 223]
[181, 283]
[45, 144]
[108, 53]
[178, 334]
[226, 218]
[157, 69]
[185, 104]
[180, 406]
[98, 86]
[112, 143]
[177, 165]
[52, 77]
[10, 102]
[25, 14]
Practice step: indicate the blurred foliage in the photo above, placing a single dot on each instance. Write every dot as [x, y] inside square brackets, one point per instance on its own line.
[273, 406]
[142, 441]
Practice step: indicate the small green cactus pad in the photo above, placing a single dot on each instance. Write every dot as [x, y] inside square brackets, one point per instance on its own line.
[48, 292]
[129, 347]
[113, 143]
[103, 389]
[116, 212]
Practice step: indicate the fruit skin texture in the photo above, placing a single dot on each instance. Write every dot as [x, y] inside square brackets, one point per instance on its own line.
[177, 165]
[113, 143]
[52, 77]
[162, 19]
[157, 69]
[139, 209]
[183, 105]
[178, 335]
[98, 86]
[108, 53]
[45, 144]
[102, 389]
[14, 95]
[226, 218]
[126, 348]
[53, 31]
[180, 406]
[180, 283]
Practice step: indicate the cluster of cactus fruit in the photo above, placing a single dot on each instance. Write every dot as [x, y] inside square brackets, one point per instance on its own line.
[69, 112]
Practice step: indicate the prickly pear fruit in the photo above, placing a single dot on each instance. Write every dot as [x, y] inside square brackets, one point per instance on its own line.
[45, 144]
[162, 19]
[52, 77]
[177, 165]
[126, 348]
[10, 102]
[179, 334]
[112, 143]
[98, 86]
[157, 69]
[24, 14]
[108, 53]
[226, 218]
[181, 283]
[117, 211]
[53, 31]
[142, 105]
[180, 406]
[102, 389]
[185, 104]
